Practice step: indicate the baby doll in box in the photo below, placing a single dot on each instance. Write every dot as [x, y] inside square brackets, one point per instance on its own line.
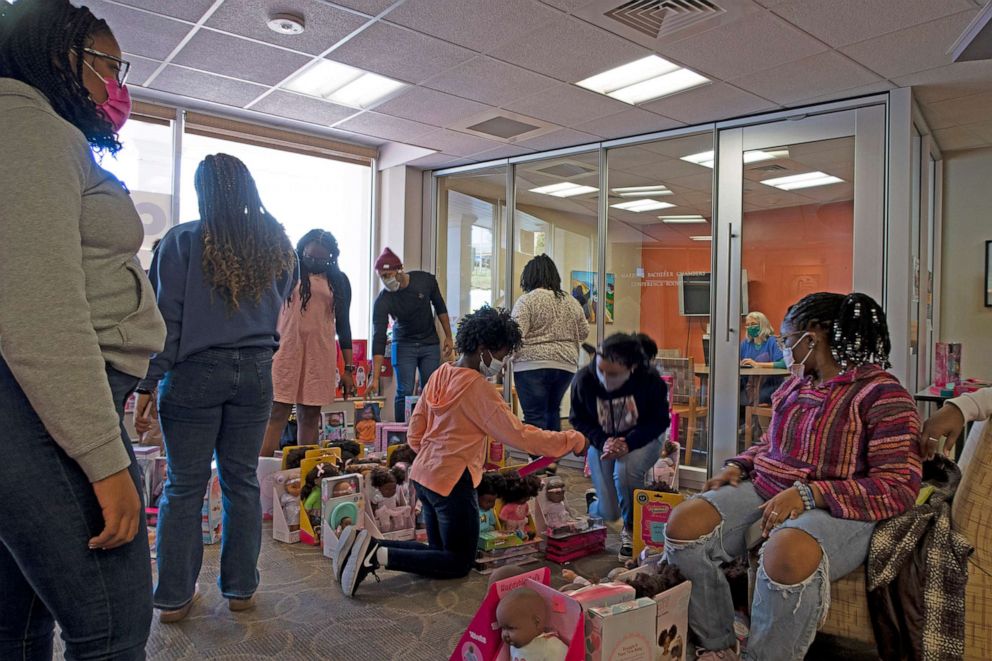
[516, 495]
[390, 513]
[310, 492]
[522, 616]
[289, 498]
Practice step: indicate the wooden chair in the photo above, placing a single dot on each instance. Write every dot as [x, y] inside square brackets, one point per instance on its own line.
[683, 396]
[750, 413]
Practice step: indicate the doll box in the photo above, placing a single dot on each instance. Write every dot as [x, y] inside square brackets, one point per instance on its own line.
[672, 622]
[212, 512]
[602, 595]
[947, 363]
[266, 471]
[388, 434]
[371, 523]
[281, 527]
[409, 404]
[333, 509]
[575, 546]
[622, 632]
[651, 512]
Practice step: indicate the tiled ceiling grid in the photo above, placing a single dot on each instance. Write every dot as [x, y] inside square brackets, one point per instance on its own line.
[463, 58]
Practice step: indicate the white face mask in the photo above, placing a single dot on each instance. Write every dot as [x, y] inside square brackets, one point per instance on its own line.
[797, 368]
[611, 383]
[392, 283]
[491, 370]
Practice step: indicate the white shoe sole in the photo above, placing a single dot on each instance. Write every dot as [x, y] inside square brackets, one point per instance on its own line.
[342, 550]
[349, 577]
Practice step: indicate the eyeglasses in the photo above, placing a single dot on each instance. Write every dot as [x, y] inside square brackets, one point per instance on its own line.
[122, 69]
[781, 341]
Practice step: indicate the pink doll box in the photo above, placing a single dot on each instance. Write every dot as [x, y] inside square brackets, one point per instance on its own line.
[482, 640]
[267, 468]
[622, 632]
[331, 513]
[602, 595]
[578, 545]
[385, 431]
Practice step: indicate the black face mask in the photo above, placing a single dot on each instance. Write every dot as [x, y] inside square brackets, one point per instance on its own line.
[313, 265]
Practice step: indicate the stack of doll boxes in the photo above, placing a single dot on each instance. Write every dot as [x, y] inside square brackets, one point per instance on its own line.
[577, 538]
[499, 547]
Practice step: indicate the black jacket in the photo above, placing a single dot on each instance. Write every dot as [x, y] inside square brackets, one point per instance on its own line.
[638, 411]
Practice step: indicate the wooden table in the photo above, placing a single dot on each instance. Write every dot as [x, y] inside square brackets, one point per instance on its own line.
[704, 370]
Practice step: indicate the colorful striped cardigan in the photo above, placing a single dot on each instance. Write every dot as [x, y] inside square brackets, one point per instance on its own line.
[856, 437]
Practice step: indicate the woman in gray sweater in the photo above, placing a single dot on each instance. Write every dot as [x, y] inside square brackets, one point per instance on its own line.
[77, 324]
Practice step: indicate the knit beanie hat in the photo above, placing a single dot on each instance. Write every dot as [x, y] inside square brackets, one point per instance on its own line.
[388, 261]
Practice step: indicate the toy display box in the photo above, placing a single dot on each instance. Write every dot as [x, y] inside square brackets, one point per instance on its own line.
[283, 529]
[145, 456]
[409, 404]
[335, 426]
[498, 547]
[266, 471]
[580, 537]
[947, 363]
[399, 528]
[672, 621]
[287, 450]
[342, 503]
[495, 455]
[482, 640]
[388, 434]
[599, 595]
[367, 417]
[622, 632]
[651, 512]
[310, 521]
[212, 512]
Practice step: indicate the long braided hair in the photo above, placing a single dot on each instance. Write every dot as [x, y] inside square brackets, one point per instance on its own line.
[541, 273]
[244, 247]
[333, 273]
[36, 38]
[855, 325]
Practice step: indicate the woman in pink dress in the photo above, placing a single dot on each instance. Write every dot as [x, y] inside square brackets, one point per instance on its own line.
[304, 369]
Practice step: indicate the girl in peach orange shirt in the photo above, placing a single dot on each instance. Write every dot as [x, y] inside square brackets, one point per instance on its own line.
[457, 411]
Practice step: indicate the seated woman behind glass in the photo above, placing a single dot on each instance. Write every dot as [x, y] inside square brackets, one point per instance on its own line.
[760, 349]
[841, 454]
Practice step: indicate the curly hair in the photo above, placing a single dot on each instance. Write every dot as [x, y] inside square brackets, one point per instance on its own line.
[36, 39]
[402, 454]
[491, 328]
[244, 247]
[517, 488]
[627, 350]
[380, 477]
[855, 325]
[335, 277]
[541, 273]
[315, 476]
[491, 484]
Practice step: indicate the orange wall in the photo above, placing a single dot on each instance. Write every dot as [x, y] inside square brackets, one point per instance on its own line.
[788, 253]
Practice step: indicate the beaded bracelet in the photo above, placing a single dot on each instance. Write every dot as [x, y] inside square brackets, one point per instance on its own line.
[739, 466]
[806, 493]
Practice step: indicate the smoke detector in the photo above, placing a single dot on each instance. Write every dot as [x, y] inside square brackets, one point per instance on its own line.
[286, 24]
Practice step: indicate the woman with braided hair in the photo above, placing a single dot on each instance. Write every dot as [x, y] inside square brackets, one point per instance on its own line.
[841, 454]
[77, 324]
[221, 282]
[304, 370]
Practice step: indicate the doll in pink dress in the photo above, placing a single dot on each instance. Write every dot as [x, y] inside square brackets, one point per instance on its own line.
[516, 494]
[665, 468]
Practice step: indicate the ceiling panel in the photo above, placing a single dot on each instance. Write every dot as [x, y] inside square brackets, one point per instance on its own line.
[476, 24]
[633, 121]
[303, 108]
[386, 127]
[709, 102]
[567, 105]
[238, 58]
[959, 137]
[825, 72]
[199, 85]
[438, 161]
[567, 5]
[141, 68]
[569, 50]
[977, 109]
[697, 182]
[453, 142]
[399, 53]
[325, 25]
[560, 138]
[430, 107]
[139, 32]
[872, 88]
[756, 42]
[503, 151]
[912, 49]
[369, 7]
[490, 81]
[844, 22]
[190, 10]
[951, 81]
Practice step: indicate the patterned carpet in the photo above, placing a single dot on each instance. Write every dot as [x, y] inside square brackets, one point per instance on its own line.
[301, 613]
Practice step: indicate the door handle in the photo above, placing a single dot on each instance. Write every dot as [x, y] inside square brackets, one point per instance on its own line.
[730, 275]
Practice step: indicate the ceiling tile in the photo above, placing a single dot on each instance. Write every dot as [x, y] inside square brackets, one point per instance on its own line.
[817, 75]
[303, 108]
[199, 85]
[934, 119]
[189, 10]
[238, 58]
[139, 32]
[399, 53]
[756, 42]
[569, 50]
[141, 68]
[386, 127]
[844, 22]
[949, 82]
[567, 105]
[871, 88]
[966, 110]
[503, 151]
[912, 49]
[567, 5]
[559, 139]
[476, 24]
[369, 7]
[490, 81]
[983, 130]
[430, 107]
[453, 142]
[709, 103]
[439, 161]
[325, 25]
[958, 137]
[633, 121]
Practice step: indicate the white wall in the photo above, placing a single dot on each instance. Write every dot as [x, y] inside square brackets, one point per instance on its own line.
[967, 226]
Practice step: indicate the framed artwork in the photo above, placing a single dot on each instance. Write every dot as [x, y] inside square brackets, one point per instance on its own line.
[988, 274]
[583, 288]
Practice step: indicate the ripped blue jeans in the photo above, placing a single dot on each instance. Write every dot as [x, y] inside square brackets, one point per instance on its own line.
[784, 618]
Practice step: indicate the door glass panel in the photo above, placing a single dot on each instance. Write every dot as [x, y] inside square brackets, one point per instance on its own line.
[797, 238]
[658, 267]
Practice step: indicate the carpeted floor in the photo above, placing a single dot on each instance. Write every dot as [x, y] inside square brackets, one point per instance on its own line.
[301, 613]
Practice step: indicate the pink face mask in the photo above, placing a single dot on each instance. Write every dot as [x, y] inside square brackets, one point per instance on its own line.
[117, 107]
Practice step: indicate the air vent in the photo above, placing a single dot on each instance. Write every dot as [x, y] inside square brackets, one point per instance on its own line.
[662, 18]
[503, 127]
[767, 168]
[566, 170]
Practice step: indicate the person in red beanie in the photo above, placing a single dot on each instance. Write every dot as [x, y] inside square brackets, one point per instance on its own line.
[411, 299]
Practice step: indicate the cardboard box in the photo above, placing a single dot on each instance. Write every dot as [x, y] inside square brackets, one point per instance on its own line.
[400, 533]
[284, 529]
[672, 622]
[409, 403]
[651, 512]
[267, 468]
[310, 525]
[947, 363]
[388, 434]
[622, 632]
[334, 509]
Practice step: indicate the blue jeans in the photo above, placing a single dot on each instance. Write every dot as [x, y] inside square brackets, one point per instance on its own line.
[784, 618]
[216, 402]
[408, 359]
[540, 392]
[102, 600]
[452, 524]
[616, 479]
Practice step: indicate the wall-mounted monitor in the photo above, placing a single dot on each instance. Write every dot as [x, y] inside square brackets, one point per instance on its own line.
[694, 294]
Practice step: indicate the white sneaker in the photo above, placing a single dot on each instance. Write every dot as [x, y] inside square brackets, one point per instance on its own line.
[626, 545]
[339, 556]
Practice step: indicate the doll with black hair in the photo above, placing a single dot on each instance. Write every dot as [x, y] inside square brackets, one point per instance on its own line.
[295, 457]
[310, 493]
[664, 469]
[489, 489]
[516, 494]
[390, 514]
[403, 453]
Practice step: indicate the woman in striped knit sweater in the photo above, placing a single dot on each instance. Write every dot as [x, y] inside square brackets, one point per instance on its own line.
[841, 454]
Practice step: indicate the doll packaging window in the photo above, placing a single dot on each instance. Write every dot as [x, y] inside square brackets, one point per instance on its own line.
[342, 505]
[569, 536]
[286, 486]
[266, 471]
[622, 632]
[367, 415]
[317, 466]
[390, 511]
[651, 512]
[388, 434]
[561, 624]
[335, 427]
[409, 404]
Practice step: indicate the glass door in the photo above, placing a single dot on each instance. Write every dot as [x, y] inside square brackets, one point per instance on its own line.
[800, 209]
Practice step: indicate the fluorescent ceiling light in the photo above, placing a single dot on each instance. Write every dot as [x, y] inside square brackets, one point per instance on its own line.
[805, 180]
[705, 158]
[347, 86]
[641, 191]
[682, 220]
[564, 189]
[638, 206]
[651, 77]
[705, 237]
